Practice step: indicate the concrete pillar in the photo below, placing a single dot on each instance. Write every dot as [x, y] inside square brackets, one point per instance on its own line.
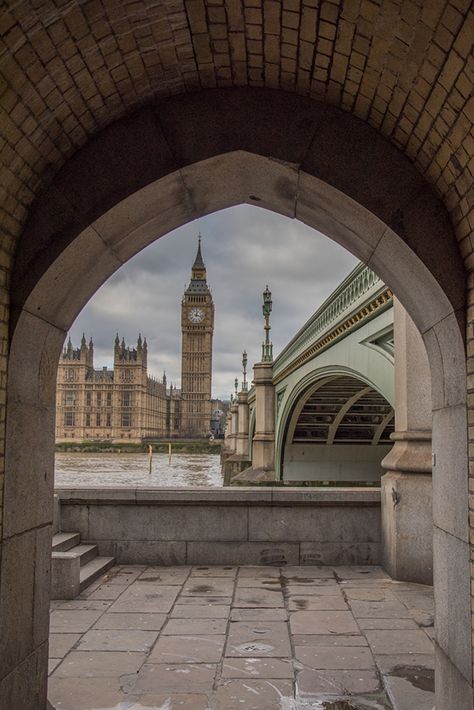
[407, 520]
[242, 438]
[263, 458]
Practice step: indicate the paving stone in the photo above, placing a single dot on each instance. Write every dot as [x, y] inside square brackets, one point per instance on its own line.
[124, 575]
[208, 586]
[386, 663]
[364, 572]
[85, 604]
[328, 640]
[258, 638]
[165, 575]
[188, 649]
[414, 690]
[259, 572]
[117, 640]
[200, 611]
[72, 620]
[84, 693]
[161, 677]
[259, 615]
[369, 594]
[312, 603]
[224, 571]
[171, 701]
[108, 591]
[254, 695]
[257, 668]
[311, 682]
[52, 664]
[207, 600]
[380, 610]
[144, 622]
[302, 575]
[417, 598]
[323, 622]
[403, 641]
[323, 587]
[60, 644]
[335, 657]
[90, 664]
[146, 598]
[391, 624]
[198, 627]
[261, 598]
[260, 583]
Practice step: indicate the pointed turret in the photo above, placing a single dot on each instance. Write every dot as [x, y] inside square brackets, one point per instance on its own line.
[199, 268]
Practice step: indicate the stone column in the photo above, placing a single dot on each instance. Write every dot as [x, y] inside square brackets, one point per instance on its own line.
[263, 458]
[242, 439]
[234, 411]
[407, 520]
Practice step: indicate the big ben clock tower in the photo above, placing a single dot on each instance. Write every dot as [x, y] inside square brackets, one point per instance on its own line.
[197, 327]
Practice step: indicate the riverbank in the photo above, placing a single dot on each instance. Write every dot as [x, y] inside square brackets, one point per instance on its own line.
[181, 446]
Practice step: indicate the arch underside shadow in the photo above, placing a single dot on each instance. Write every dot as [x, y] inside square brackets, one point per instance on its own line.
[190, 156]
[338, 428]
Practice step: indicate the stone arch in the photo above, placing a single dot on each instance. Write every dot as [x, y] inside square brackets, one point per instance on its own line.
[189, 156]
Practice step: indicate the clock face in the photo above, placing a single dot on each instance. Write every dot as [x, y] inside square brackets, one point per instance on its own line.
[196, 315]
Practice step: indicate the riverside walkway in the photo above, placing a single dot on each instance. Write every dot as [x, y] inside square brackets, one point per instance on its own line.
[253, 638]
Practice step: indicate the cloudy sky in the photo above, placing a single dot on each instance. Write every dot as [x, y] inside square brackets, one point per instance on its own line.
[244, 248]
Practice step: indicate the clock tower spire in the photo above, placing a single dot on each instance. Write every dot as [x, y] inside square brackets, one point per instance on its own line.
[197, 328]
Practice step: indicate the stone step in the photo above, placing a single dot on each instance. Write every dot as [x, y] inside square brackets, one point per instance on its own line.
[93, 569]
[85, 553]
[65, 540]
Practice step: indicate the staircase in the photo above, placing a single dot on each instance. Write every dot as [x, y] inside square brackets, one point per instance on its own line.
[74, 565]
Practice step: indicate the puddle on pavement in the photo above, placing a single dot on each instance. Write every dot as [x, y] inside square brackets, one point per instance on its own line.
[419, 676]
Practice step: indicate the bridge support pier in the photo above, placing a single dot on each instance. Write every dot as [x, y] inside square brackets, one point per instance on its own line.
[407, 520]
[239, 461]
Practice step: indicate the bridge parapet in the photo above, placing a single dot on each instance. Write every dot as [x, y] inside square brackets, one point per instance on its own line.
[361, 296]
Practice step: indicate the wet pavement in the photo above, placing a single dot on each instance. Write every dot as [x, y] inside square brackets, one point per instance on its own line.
[253, 638]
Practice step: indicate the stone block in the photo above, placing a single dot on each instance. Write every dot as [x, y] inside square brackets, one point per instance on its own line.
[450, 472]
[415, 286]
[25, 686]
[407, 527]
[56, 514]
[69, 283]
[119, 522]
[337, 216]
[452, 600]
[65, 571]
[340, 553]
[236, 553]
[146, 552]
[453, 690]
[29, 469]
[325, 524]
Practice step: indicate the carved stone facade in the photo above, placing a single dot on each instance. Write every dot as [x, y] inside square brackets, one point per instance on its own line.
[197, 327]
[125, 404]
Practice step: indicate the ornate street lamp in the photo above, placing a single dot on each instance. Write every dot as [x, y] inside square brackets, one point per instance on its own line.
[244, 365]
[267, 346]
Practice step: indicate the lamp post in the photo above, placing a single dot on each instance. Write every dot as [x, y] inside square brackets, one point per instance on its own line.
[267, 346]
[244, 365]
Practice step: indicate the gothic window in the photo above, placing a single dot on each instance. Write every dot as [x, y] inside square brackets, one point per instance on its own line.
[108, 421]
[69, 419]
[97, 419]
[69, 398]
[126, 398]
[88, 419]
[69, 375]
[109, 399]
[126, 419]
[126, 375]
[88, 399]
[99, 399]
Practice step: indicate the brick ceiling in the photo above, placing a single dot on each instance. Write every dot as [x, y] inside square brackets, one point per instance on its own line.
[68, 69]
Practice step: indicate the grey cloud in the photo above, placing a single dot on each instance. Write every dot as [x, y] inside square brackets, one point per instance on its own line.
[244, 249]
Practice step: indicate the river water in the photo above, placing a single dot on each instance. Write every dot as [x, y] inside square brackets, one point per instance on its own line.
[131, 470]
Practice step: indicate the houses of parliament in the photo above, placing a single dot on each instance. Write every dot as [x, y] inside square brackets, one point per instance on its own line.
[126, 404]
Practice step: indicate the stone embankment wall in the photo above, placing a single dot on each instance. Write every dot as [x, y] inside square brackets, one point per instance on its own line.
[245, 526]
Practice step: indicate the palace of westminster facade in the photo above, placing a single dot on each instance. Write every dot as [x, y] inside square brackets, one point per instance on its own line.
[126, 404]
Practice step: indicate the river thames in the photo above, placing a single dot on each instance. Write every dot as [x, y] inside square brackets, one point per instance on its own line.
[132, 470]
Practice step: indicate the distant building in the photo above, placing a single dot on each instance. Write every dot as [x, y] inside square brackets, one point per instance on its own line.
[125, 404]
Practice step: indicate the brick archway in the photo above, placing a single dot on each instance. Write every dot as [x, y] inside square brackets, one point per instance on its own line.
[160, 168]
